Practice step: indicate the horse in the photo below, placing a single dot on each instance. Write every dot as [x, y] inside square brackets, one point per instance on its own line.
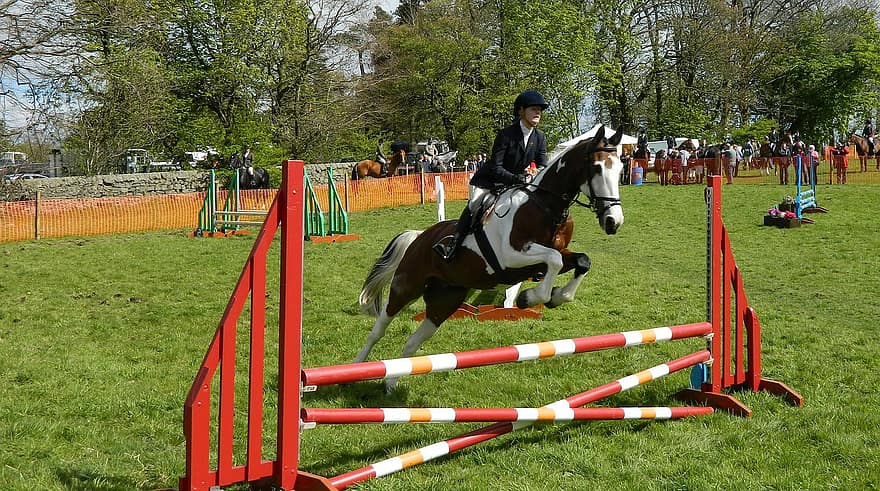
[372, 168]
[517, 233]
[863, 151]
[253, 178]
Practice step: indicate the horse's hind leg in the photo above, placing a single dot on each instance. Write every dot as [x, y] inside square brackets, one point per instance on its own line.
[375, 335]
[398, 298]
[441, 301]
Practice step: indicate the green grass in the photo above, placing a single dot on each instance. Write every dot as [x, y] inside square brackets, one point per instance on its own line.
[100, 338]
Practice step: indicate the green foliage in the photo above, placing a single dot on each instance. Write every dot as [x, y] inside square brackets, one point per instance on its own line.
[323, 84]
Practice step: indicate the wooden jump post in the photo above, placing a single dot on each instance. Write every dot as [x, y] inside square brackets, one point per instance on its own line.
[730, 361]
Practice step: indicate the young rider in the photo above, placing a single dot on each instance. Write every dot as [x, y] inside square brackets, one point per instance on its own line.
[868, 133]
[516, 147]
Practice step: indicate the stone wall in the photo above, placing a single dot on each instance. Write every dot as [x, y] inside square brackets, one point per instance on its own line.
[152, 183]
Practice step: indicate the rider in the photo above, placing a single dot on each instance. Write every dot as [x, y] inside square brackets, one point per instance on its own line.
[380, 157]
[868, 133]
[642, 141]
[516, 147]
[773, 138]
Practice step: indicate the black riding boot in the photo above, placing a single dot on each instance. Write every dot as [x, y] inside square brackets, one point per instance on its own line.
[447, 246]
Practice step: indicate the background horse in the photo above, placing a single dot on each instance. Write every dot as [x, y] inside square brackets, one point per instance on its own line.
[371, 168]
[253, 178]
[863, 151]
[519, 227]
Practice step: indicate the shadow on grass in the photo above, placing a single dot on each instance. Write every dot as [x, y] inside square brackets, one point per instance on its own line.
[79, 479]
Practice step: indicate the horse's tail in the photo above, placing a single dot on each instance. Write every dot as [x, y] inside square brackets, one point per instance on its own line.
[354, 172]
[383, 270]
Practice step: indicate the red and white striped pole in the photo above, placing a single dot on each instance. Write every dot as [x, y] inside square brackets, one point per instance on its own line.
[389, 415]
[446, 447]
[371, 370]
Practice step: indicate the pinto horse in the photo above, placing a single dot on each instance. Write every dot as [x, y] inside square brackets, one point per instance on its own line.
[517, 235]
[371, 168]
[863, 151]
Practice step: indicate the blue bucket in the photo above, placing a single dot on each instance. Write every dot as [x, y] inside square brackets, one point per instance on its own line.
[637, 174]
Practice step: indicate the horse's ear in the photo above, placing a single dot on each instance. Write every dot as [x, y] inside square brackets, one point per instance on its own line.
[600, 133]
[615, 139]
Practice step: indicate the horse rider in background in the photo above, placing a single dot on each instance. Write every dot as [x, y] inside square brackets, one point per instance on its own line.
[515, 148]
[380, 157]
[868, 133]
[773, 139]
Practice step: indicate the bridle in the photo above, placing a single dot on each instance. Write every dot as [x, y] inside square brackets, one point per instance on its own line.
[595, 200]
[599, 204]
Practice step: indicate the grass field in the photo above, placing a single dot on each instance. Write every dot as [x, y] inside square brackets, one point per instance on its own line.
[100, 338]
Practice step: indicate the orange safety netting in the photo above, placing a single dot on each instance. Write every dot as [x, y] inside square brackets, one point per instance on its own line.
[23, 220]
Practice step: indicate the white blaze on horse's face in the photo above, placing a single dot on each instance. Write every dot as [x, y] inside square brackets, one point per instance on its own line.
[606, 192]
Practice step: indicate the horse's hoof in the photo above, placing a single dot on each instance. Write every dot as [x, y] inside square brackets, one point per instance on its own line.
[553, 304]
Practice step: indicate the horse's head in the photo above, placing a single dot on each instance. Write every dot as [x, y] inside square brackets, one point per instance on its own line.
[591, 167]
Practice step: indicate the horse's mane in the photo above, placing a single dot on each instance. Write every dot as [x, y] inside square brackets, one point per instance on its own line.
[563, 148]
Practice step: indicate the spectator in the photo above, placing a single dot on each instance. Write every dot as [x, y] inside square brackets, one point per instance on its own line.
[425, 162]
[813, 167]
[839, 158]
[784, 163]
[748, 149]
[728, 157]
[625, 159]
[670, 143]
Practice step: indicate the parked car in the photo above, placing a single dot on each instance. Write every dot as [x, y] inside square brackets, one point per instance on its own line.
[25, 176]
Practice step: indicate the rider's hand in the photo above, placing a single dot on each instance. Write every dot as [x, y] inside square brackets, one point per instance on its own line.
[522, 178]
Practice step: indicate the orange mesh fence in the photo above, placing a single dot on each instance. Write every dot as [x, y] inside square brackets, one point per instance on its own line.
[401, 190]
[95, 216]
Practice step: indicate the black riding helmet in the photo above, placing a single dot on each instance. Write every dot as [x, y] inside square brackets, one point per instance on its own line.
[529, 98]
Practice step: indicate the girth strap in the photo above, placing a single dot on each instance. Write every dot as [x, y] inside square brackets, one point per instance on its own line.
[489, 253]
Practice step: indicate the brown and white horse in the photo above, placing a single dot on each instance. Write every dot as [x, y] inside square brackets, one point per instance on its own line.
[864, 151]
[519, 230]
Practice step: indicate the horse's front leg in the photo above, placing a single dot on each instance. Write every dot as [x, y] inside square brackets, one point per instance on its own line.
[580, 263]
[536, 254]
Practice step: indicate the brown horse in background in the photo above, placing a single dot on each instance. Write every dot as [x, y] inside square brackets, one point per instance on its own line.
[862, 150]
[371, 168]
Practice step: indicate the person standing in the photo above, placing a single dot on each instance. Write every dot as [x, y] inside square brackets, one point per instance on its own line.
[670, 144]
[813, 168]
[839, 157]
[748, 149]
[516, 147]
